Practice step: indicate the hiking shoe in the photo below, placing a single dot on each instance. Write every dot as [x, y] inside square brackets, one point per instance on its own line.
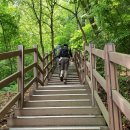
[65, 81]
[61, 78]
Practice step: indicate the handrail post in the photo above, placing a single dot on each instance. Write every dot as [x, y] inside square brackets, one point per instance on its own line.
[47, 59]
[42, 74]
[84, 62]
[35, 68]
[81, 69]
[46, 70]
[21, 78]
[93, 66]
[112, 84]
[51, 59]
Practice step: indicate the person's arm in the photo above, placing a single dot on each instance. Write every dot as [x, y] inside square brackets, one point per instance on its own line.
[70, 52]
[59, 55]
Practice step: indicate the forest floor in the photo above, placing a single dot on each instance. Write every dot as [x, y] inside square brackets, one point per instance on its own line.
[4, 98]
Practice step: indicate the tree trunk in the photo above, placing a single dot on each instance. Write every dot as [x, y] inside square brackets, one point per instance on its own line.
[40, 28]
[91, 19]
[80, 26]
[40, 36]
[52, 27]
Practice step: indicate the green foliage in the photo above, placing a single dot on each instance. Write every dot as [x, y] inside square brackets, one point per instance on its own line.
[9, 18]
[10, 88]
[76, 40]
[124, 87]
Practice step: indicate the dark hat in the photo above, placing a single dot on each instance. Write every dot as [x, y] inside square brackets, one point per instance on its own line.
[66, 45]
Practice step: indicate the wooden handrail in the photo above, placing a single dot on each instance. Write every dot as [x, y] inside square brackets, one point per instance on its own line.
[29, 51]
[39, 68]
[21, 72]
[9, 79]
[100, 79]
[116, 102]
[40, 57]
[29, 84]
[122, 103]
[7, 55]
[121, 59]
[28, 68]
[98, 53]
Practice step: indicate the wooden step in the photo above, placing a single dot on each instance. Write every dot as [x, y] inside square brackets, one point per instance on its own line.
[68, 81]
[68, 78]
[57, 103]
[39, 121]
[64, 128]
[53, 111]
[59, 88]
[60, 83]
[60, 96]
[65, 91]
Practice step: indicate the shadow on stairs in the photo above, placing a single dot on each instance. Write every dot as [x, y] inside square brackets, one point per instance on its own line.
[59, 107]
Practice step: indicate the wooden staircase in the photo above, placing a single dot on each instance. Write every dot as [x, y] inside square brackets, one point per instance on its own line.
[59, 107]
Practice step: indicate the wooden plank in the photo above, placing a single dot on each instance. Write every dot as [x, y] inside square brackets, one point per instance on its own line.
[110, 48]
[35, 70]
[45, 57]
[100, 79]
[20, 80]
[58, 111]
[121, 59]
[98, 53]
[122, 103]
[89, 81]
[87, 48]
[102, 107]
[88, 65]
[29, 67]
[40, 57]
[8, 55]
[45, 67]
[7, 107]
[9, 79]
[40, 81]
[29, 51]
[29, 84]
[39, 68]
[92, 66]
[42, 121]
[45, 77]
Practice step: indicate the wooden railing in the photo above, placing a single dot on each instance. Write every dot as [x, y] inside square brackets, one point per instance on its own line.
[117, 104]
[42, 68]
[79, 62]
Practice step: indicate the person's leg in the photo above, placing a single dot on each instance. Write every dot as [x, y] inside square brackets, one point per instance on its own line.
[66, 70]
[62, 70]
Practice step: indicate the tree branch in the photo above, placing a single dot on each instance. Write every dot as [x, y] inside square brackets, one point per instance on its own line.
[65, 8]
[33, 8]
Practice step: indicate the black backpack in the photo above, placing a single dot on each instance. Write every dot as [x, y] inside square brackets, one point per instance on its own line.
[65, 52]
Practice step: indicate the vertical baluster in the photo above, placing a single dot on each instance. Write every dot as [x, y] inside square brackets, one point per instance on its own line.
[85, 68]
[42, 74]
[21, 78]
[112, 84]
[93, 66]
[35, 68]
[46, 61]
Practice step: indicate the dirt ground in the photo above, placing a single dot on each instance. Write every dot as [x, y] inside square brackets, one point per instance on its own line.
[4, 98]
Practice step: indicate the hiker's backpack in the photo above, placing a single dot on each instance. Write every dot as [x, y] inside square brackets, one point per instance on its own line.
[65, 52]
